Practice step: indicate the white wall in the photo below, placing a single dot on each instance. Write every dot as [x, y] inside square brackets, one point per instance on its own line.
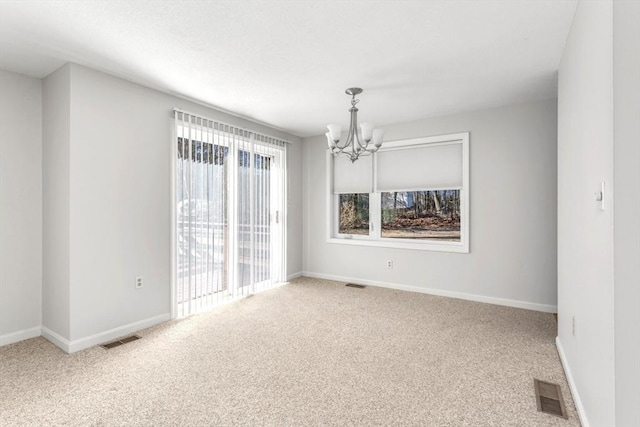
[120, 201]
[20, 207]
[585, 232]
[512, 257]
[294, 209]
[626, 176]
[55, 201]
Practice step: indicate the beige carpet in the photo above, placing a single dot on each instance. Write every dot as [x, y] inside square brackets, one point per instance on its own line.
[310, 353]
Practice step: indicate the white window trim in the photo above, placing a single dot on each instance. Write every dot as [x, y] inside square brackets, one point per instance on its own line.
[375, 239]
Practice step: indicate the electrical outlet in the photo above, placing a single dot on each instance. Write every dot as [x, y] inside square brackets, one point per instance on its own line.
[389, 264]
[139, 282]
[573, 325]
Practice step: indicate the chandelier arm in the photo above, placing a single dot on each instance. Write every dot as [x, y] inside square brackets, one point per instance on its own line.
[371, 148]
[353, 133]
[366, 144]
[353, 127]
[364, 153]
[342, 147]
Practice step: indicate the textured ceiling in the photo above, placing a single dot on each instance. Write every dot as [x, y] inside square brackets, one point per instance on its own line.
[287, 63]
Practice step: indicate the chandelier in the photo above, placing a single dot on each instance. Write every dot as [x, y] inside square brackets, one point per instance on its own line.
[364, 144]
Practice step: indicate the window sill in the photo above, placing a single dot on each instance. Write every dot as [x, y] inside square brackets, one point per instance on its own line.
[418, 246]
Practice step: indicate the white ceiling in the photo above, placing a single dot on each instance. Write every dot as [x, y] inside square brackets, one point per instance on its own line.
[287, 63]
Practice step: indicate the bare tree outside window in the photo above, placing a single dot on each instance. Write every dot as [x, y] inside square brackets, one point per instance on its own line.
[354, 214]
[421, 215]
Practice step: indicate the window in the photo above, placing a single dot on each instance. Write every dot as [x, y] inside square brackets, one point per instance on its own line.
[411, 194]
[421, 215]
[353, 217]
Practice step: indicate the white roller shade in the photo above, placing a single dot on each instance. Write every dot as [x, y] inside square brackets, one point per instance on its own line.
[352, 177]
[419, 168]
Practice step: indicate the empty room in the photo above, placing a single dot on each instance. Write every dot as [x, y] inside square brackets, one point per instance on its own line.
[320, 213]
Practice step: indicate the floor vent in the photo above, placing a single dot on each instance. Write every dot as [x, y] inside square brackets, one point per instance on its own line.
[119, 342]
[549, 399]
[353, 285]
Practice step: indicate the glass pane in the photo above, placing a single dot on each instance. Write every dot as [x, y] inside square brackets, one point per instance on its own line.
[245, 258]
[201, 221]
[204, 260]
[354, 214]
[421, 215]
[262, 220]
[254, 264]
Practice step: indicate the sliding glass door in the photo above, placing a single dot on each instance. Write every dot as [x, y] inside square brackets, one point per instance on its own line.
[259, 227]
[229, 200]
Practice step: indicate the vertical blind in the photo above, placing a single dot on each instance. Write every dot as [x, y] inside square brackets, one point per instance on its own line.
[229, 194]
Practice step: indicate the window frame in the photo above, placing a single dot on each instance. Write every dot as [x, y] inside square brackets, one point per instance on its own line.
[374, 239]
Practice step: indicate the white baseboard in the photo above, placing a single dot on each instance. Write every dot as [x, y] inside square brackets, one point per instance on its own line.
[102, 337]
[294, 275]
[111, 334]
[22, 335]
[56, 339]
[546, 308]
[572, 385]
